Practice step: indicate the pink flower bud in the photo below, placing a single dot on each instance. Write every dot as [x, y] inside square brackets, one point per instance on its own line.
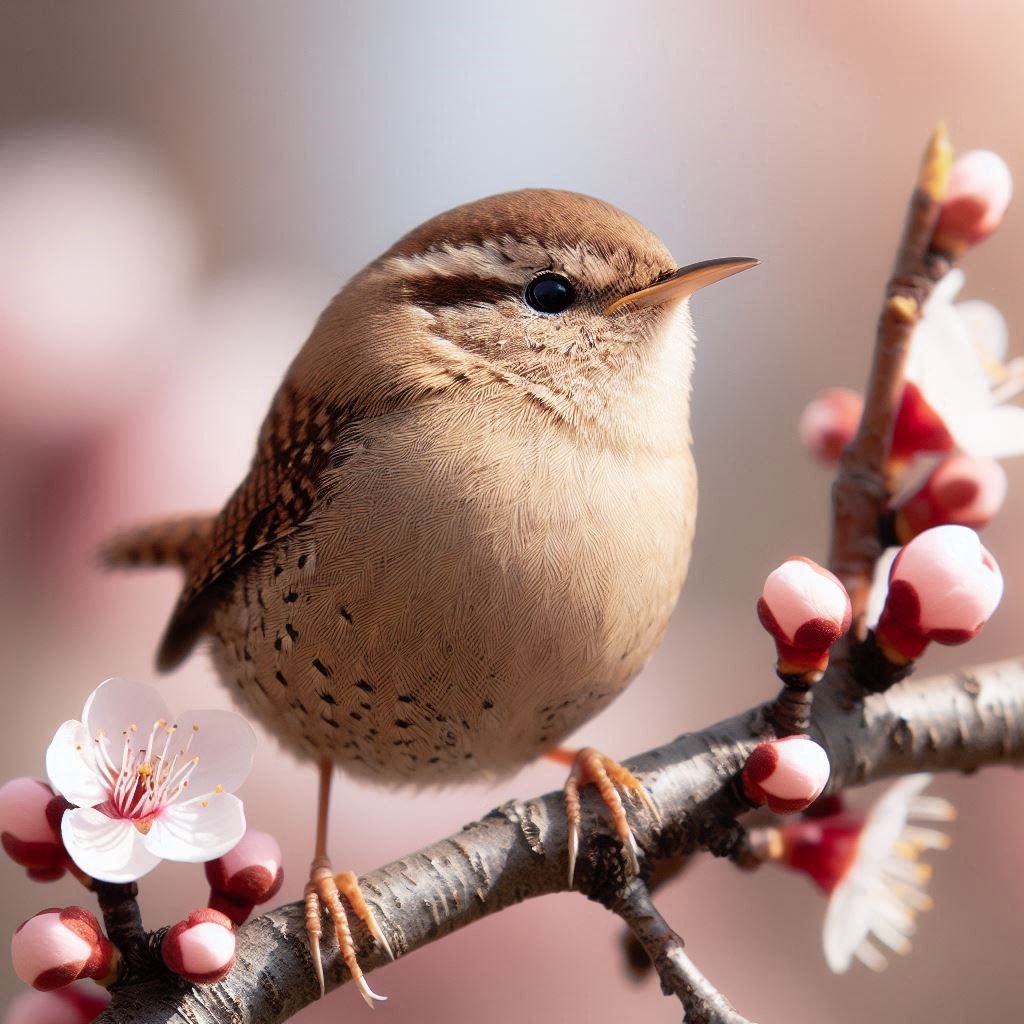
[75, 1004]
[943, 586]
[56, 947]
[249, 874]
[918, 428]
[828, 423]
[980, 187]
[806, 609]
[965, 490]
[30, 814]
[201, 948]
[787, 775]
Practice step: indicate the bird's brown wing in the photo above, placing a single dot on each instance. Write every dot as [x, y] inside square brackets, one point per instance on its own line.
[283, 485]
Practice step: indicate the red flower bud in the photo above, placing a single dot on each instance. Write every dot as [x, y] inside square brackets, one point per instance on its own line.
[806, 609]
[246, 875]
[76, 1004]
[787, 775]
[201, 948]
[30, 814]
[57, 947]
[943, 586]
[964, 490]
[980, 188]
[829, 422]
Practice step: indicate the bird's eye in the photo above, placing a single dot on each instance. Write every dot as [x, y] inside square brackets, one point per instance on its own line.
[550, 293]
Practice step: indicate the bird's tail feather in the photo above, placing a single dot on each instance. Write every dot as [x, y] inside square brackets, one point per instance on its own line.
[171, 542]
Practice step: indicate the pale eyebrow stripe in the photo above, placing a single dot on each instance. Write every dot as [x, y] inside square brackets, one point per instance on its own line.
[504, 262]
[512, 260]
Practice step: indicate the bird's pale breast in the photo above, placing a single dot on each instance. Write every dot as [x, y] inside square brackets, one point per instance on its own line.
[480, 582]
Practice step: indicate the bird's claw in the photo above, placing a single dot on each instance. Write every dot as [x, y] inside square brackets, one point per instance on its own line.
[609, 777]
[323, 892]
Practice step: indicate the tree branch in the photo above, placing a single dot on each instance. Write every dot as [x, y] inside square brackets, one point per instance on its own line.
[702, 1002]
[859, 492]
[956, 722]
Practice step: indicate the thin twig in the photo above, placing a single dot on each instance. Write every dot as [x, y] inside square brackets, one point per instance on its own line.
[664, 871]
[702, 1002]
[122, 919]
[859, 492]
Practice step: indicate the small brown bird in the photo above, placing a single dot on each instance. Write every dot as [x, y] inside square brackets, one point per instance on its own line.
[469, 514]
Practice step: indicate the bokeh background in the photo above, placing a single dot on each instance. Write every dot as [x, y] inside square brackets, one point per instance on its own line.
[183, 186]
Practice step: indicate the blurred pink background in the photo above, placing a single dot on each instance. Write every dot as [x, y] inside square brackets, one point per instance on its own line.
[182, 188]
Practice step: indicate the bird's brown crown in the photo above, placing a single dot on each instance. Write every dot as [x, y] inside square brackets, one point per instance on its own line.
[552, 218]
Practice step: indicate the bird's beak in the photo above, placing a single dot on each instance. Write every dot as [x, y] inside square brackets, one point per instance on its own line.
[684, 282]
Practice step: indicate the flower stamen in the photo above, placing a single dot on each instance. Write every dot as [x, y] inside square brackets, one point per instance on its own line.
[131, 806]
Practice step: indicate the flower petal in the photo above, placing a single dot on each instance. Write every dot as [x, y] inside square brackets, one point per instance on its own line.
[198, 830]
[999, 433]
[117, 704]
[986, 327]
[71, 767]
[947, 289]
[888, 817]
[946, 366]
[110, 849]
[225, 745]
[847, 923]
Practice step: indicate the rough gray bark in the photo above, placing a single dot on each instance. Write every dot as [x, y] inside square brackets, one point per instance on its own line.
[957, 722]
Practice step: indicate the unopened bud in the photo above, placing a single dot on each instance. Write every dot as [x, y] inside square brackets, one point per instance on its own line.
[247, 875]
[201, 949]
[980, 188]
[806, 609]
[943, 586]
[787, 775]
[829, 422]
[30, 814]
[57, 947]
[964, 490]
[76, 1004]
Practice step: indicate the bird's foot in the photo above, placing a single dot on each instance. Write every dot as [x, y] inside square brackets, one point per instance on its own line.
[589, 765]
[323, 892]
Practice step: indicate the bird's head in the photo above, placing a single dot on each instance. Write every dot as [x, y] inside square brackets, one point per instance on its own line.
[556, 290]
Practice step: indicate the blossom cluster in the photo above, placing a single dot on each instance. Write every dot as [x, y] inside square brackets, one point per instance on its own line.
[127, 787]
[956, 417]
[938, 583]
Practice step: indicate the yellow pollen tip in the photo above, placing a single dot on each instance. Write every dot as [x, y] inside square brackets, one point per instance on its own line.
[206, 803]
[195, 760]
[195, 728]
[145, 770]
[218, 788]
[133, 728]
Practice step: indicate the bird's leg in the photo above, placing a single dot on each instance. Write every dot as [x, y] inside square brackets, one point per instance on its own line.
[589, 765]
[324, 891]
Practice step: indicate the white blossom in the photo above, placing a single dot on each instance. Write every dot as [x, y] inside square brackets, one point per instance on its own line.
[147, 788]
